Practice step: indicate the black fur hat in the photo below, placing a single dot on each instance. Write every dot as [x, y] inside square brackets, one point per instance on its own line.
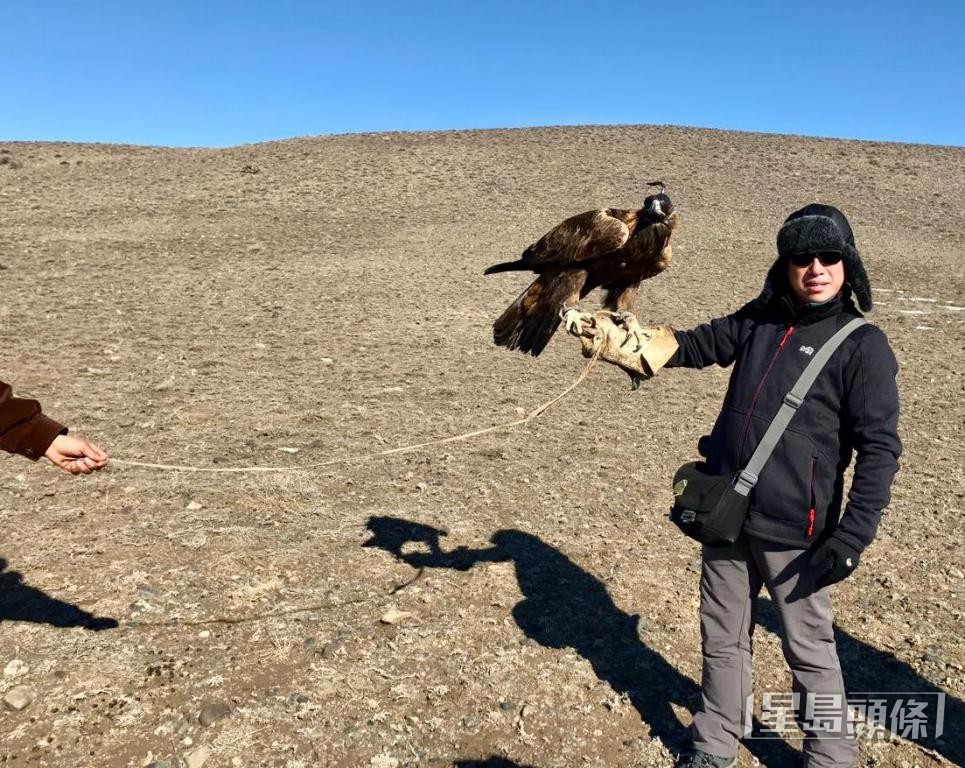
[813, 228]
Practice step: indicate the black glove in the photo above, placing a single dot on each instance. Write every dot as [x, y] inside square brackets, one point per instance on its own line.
[833, 561]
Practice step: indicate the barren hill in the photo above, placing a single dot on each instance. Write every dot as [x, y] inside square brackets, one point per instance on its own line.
[214, 307]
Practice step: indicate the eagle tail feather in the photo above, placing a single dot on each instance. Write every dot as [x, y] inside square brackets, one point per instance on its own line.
[506, 266]
[528, 331]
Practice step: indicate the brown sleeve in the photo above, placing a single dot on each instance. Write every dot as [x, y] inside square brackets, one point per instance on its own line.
[23, 428]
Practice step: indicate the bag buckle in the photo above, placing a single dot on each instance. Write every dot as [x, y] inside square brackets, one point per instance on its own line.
[688, 516]
[793, 401]
[745, 482]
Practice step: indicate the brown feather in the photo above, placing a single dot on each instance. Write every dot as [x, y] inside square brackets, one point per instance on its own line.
[531, 320]
[579, 238]
[613, 248]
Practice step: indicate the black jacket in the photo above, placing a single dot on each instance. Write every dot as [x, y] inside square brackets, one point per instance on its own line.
[852, 408]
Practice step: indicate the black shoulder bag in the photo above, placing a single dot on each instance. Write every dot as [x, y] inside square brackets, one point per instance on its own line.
[712, 508]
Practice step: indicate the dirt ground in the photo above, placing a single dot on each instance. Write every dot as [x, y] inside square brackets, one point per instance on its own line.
[216, 307]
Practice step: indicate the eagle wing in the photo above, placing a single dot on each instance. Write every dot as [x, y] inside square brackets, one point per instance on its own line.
[579, 238]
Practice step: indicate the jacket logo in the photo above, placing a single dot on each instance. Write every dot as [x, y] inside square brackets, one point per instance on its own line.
[807, 350]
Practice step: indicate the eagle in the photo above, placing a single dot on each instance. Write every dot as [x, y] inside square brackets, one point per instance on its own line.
[610, 248]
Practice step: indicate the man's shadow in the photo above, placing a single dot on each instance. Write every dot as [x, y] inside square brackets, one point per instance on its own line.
[874, 673]
[21, 602]
[564, 606]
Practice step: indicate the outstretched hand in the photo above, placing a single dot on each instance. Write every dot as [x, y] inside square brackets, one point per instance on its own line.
[76, 455]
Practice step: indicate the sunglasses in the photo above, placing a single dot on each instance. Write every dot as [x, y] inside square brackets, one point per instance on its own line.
[827, 258]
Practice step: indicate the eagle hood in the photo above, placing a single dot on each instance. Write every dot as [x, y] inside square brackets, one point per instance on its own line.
[813, 228]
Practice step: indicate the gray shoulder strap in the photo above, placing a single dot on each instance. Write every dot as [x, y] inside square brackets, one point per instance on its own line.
[792, 401]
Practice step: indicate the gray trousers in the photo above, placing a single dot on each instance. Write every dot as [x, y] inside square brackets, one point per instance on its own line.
[730, 581]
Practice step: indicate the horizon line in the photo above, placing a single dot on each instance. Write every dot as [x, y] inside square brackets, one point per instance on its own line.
[419, 131]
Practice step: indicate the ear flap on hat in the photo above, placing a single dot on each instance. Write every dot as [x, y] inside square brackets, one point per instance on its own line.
[857, 278]
[775, 284]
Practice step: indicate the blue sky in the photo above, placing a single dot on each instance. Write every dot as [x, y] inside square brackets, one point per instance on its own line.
[220, 73]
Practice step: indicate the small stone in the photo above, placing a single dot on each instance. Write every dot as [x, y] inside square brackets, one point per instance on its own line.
[422, 487]
[197, 758]
[955, 573]
[15, 668]
[507, 706]
[18, 697]
[637, 742]
[286, 449]
[327, 361]
[236, 761]
[391, 390]
[204, 634]
[212, 713]
[519, 411]
[193, 506]
[384, 761]
[394, 616]
[333, 648]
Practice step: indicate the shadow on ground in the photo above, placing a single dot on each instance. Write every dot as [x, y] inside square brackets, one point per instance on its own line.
[21, 602]
[564, 606]
[871, 673]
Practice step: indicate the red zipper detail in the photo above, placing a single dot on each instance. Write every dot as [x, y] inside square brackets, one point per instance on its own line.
[812, 512]
[787, 335]
[757, 393]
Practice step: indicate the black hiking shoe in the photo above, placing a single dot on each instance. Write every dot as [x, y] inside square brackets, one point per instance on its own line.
[700, 759]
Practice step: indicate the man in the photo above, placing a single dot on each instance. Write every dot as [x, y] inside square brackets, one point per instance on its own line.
[25, 430]
[795, 541]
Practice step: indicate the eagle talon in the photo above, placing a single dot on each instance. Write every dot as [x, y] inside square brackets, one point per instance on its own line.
[574, 318]
[635, 333]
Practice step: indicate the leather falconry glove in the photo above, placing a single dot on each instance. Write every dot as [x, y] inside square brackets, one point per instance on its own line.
[834, 560]
[657, 345]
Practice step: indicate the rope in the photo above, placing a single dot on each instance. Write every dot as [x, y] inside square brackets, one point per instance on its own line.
[137, 624]
[229, 620]
[538, 411]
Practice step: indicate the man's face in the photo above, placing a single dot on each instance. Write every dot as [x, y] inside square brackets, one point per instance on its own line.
[816, 281]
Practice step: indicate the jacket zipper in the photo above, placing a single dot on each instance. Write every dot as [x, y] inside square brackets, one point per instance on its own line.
[812, 512]
[757, 393]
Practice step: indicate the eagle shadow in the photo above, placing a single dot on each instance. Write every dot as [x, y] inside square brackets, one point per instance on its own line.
[564, 606]
[21, 602]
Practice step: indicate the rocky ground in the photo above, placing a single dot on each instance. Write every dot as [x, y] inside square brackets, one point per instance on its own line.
[518, 599]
